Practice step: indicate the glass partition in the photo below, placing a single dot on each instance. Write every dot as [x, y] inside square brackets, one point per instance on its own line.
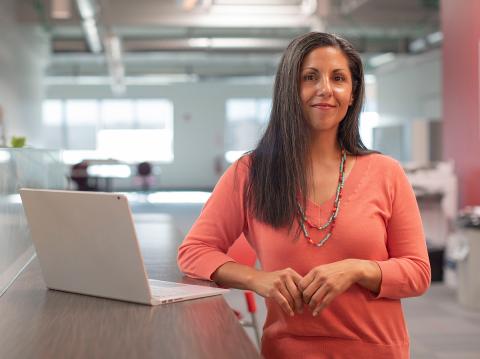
[22, 168]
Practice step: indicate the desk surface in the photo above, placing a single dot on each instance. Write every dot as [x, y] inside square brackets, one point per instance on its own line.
[40, 323]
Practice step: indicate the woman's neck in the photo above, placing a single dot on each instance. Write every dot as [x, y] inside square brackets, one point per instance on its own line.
[324, 150]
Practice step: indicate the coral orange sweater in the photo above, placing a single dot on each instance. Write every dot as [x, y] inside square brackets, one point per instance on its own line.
[378, 220]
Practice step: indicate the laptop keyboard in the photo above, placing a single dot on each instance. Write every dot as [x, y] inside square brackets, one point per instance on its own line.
[172, 291]
[168, 289]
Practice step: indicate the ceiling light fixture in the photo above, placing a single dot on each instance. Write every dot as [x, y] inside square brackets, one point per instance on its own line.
[417, 45]
[92, 35]
[435, 38]
[87, 10]
[382, 59]
[116, 69]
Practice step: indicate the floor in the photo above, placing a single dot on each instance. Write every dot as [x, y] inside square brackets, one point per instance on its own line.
[439, 327]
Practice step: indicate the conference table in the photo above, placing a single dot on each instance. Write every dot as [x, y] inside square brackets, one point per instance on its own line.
[39, 323]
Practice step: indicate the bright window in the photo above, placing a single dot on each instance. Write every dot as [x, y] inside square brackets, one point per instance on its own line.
[117, 114]
[53, 113]
[135, 145]
[127, 130]
[154, 114]
[246, 121]
[82, 112]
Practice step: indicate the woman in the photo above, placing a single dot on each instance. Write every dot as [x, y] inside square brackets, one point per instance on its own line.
[336, 227]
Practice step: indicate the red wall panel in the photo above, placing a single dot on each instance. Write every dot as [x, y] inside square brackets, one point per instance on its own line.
[461, 94]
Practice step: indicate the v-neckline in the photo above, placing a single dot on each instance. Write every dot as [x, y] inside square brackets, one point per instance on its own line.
[351, 182]
[332, 197]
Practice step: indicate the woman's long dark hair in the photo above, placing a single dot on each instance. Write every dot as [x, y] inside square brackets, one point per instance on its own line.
[279, 167]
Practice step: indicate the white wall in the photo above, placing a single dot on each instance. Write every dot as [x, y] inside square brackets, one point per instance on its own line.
[411, 87]
[409, 90]
[23, 55]
[199, 118]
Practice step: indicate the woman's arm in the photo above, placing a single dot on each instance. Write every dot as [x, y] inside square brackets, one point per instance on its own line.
[223, 219]
[407, 271]
[234, 275]
[370, 275]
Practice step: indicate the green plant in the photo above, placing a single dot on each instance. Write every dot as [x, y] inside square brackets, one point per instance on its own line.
[18, 142]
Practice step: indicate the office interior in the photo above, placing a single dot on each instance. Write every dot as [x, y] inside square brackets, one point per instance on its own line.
[155, 99]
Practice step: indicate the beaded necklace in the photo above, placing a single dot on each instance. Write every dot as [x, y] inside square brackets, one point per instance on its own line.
[336, 208]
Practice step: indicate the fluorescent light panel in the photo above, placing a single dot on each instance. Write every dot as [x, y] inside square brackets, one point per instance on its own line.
[435, 38]
[86, 9]
[255, 10]
[417, 45]
[153, 80]
[382, 59]
[92, 35]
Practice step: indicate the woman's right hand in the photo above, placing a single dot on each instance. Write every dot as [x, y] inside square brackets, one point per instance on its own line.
[281, 286]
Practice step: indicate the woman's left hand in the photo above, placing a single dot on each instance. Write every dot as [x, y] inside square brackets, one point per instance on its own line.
[323, 283]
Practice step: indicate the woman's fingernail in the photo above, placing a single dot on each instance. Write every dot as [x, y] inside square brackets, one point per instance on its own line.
[315, 313]
[292, 314]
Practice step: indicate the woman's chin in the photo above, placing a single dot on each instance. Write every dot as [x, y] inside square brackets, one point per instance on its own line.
[320, 125]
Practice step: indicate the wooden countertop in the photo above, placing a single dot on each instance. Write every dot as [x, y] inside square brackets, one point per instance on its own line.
[40, 323]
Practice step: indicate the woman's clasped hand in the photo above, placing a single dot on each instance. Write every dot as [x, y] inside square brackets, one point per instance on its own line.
[317, 289]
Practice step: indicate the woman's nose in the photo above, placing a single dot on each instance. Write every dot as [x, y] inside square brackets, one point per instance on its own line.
[324, 87]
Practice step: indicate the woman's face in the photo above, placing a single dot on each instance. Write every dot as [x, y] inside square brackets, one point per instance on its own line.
[325, 88]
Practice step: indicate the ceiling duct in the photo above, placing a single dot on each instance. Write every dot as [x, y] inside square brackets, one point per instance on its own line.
[88, 11]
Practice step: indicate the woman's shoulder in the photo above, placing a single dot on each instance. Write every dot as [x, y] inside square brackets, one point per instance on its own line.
[243, 163]
[239, 169]
[381, 168]
[383, 162]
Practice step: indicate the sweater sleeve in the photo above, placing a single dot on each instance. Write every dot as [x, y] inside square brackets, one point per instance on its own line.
[407, 271]
[220, 223]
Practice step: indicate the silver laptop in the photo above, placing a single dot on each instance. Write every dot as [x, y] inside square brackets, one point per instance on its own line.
[86, 243]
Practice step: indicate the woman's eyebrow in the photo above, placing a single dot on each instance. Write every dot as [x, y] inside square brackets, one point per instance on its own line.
[316, 70]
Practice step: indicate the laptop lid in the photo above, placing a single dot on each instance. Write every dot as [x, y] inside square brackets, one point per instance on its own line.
[86, 243]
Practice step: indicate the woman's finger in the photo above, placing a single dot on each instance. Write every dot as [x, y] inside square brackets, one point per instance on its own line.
[309, 292]
[327, 299]
[318, 296]
[286, 294]
[311, 289]
[306, 281]
[295, 294]
[283, 302]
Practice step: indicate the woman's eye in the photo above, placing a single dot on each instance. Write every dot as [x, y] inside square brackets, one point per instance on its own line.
[339, 78]
[309, 77]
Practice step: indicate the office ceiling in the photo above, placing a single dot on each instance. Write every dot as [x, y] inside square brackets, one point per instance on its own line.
[217, 38]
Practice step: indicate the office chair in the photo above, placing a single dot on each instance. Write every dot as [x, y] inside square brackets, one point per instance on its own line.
[242, 253]
[144, 173]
